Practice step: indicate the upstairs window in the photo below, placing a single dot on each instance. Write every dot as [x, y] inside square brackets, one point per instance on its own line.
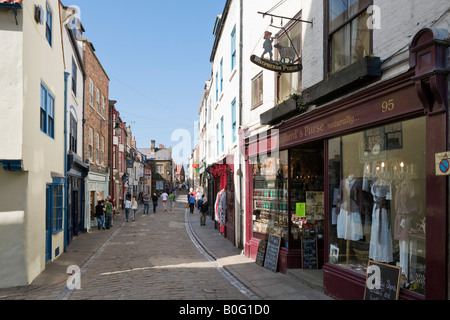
[48, 24]
[349, 37]
[74, 77]
[221, 75]
[91, 92]
[217, 87]
[47, 119]
[233, 120]
[233, 48]
[257, 90]
[73, 134]
[290, 36]
[222, 134]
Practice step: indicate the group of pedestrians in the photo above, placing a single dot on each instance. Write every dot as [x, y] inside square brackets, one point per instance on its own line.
[104, 209]
[202, 206]
[104, 213]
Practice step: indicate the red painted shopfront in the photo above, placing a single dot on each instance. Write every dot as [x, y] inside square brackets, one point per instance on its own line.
[223, 174]
[383, 139]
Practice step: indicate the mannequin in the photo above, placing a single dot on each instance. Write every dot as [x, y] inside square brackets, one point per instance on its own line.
[348, 209]
[406, 206]
[381, 238]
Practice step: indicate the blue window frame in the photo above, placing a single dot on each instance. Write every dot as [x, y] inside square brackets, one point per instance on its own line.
[217, 87]
[222, 134]
[47, 118]
[233, 120]
[221, 75]
[74, 77]
[48, 24]
[55, 205]
[217, 138]
[233, 48]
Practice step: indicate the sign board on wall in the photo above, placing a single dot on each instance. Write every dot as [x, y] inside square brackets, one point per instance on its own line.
[443, 163]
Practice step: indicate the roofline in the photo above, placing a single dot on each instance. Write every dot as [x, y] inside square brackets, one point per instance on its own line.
[219, 32]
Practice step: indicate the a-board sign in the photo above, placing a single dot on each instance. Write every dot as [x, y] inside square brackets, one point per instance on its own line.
[261, 254]
[309, 253]
[272, 252]
[382, 281]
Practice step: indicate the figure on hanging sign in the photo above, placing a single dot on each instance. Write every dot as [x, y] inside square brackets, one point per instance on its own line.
[281, 66]
[285, 53]
[267, 44]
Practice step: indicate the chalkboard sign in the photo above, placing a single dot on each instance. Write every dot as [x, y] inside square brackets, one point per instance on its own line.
[382, 281]
[272, 252]
[309, 252]
[261, 254]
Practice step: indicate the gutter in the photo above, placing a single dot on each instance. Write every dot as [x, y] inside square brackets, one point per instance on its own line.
[66, 76]
[241, 211]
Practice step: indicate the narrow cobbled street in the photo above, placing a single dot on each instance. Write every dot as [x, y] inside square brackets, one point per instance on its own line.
[154, 257]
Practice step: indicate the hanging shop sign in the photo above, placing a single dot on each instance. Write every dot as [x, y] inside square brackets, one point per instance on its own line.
[287, 57]
[275, 65]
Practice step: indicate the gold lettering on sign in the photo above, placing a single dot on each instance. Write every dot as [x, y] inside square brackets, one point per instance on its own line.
[348, 120]
[314, 129]
[387, 105]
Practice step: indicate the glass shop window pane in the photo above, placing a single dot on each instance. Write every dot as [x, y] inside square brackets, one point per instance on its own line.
[377, 201]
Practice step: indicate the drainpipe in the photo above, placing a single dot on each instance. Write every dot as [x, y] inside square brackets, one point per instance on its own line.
[66, 76]
[241, 211]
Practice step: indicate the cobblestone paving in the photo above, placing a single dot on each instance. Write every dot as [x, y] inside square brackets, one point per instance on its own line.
[154, 257]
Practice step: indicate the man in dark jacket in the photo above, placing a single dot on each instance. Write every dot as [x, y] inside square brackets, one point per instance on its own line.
[155, 202]
[203, 212]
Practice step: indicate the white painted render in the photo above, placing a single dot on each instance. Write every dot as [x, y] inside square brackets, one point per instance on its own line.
[28, 60]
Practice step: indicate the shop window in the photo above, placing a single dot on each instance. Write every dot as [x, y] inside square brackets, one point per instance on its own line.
[377, 200]
[348, 34]
[270, 195]
[288, 195]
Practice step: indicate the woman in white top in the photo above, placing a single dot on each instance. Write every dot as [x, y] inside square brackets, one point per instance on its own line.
[134, 206]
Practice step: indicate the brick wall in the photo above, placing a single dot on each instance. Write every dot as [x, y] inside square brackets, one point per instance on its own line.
[96, 85]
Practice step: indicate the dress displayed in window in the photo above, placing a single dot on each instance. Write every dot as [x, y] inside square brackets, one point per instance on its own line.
[381, 239]
[406, 206]
[220, 207]
[349, 224]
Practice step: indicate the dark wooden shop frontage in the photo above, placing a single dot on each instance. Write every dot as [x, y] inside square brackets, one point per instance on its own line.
[360, 176]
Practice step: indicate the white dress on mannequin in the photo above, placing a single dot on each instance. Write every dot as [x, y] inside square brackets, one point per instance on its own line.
[349, 224]
[381, 236]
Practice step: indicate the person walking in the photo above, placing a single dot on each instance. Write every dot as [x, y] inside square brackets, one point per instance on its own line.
[172, 201]
[134, 206]
[127, 208]
[108, 212]
[100, 215]
[191, 202]
[164, 198]
[203, 212]
[200, 202]
[155, 202]
[146, 200]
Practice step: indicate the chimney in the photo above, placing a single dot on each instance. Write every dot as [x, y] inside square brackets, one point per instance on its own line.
[153, 146]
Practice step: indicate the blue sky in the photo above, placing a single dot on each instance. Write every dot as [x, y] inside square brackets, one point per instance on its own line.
[156, 54]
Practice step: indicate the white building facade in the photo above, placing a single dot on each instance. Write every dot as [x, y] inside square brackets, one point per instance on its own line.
[32, 175]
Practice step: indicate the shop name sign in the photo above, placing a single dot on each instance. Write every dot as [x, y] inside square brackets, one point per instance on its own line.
[275, 65]
[354, 114]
